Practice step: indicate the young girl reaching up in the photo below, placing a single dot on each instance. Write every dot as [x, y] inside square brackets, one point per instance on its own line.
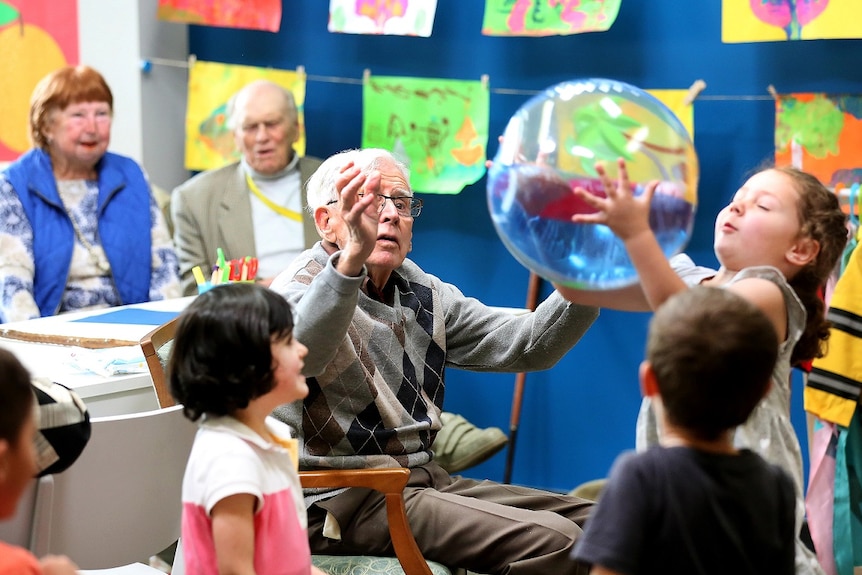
[234, 360]
[776, 243]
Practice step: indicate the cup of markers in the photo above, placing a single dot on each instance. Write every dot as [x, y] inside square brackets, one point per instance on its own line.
[226, 271]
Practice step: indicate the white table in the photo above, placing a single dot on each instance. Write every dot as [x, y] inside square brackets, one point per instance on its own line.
[104, 395]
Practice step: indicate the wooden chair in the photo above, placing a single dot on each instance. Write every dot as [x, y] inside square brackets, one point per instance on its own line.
[151, 344]
[120, 502]
[389, 482]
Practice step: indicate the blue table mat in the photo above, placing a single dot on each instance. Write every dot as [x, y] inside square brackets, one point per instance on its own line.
[131, 315]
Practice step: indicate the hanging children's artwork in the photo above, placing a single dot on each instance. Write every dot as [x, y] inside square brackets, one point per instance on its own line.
[209, 141]
[395, 17]
[440, 127]
[253, 14]
[821, 134]
[677, 102]
[36, 37]
[548, 17]
[776, 20]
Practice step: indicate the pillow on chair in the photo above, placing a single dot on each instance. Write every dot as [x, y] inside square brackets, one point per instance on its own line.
[63, 425]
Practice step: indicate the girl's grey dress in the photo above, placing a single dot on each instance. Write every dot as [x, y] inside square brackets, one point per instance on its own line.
[768, 430]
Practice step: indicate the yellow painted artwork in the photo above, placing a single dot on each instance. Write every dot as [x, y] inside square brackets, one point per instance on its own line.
[675, 101]
[209, 142]
[36, 37]
[782, 20]
[665, 146]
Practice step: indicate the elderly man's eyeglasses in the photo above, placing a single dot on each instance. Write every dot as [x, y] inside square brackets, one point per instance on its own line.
[406, 206]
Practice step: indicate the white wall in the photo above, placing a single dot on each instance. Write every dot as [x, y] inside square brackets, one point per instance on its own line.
[116, 36]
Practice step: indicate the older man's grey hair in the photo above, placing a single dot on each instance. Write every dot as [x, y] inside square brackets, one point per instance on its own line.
[320, 189]
[289, 109]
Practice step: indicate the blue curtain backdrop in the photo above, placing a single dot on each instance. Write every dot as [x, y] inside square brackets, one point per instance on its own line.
[578, 416]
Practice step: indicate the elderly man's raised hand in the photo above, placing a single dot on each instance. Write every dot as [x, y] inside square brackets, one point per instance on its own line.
[359, 215]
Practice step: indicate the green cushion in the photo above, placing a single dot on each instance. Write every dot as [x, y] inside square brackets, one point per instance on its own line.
[367, 565]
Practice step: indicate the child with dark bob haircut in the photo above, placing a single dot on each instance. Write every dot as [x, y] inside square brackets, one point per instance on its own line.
[234, 359]
[701, 505]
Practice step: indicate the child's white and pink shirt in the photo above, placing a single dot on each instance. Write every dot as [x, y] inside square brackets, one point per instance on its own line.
[228, 458]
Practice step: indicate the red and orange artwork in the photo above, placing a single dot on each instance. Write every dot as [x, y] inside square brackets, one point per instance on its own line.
[36, 37]
[822, 135]
[252, 14]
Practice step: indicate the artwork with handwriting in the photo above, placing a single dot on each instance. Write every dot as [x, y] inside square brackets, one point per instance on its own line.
[392, 17]
[548, 17]
[822, 135]
[439, 126]
[36, 38]
[251, 14]
[780, 20]
[209, 141]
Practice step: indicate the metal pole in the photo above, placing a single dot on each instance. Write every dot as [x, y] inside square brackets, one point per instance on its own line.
[520, 379]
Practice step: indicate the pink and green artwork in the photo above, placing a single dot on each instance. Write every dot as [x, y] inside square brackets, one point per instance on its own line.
[548, 17]
[777, 20]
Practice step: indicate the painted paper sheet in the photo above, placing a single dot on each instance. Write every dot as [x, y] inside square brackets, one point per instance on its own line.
[590, 125]
[675, 101]
[777, 20]
[396, 17]
[209, 142]
[36, 37]
[822, 135]
[548, 17]
[253, 14]
[440, 127]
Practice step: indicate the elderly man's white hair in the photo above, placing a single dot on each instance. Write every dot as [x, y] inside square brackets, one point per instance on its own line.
[320, 189]
[289, 109]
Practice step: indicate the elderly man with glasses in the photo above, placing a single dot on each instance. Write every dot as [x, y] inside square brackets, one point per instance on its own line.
[380, 333]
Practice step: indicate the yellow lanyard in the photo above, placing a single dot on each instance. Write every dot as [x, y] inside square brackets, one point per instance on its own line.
[280, 210]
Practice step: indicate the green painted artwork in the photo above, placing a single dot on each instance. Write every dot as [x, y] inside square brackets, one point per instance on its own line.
[439, 127]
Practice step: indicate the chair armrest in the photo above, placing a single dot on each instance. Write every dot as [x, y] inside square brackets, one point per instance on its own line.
[390, 482]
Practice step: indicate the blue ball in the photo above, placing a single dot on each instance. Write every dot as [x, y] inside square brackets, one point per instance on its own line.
[551, 145]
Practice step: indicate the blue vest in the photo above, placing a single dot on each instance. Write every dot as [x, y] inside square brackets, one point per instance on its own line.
[123, 218]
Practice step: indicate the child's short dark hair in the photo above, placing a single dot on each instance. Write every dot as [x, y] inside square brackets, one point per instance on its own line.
[712, 353]
[16, 396]
[221, 357]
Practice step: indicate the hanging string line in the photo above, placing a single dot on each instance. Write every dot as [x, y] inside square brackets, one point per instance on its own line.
[147, 64]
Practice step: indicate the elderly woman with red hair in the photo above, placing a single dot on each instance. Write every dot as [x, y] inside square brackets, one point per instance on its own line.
[81, 226]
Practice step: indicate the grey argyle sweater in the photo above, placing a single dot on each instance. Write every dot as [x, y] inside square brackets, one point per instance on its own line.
[376, 372]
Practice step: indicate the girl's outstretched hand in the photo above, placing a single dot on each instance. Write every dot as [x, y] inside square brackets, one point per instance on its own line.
[624, 213]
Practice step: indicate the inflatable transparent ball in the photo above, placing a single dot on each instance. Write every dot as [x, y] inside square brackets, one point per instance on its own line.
[552, 144]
